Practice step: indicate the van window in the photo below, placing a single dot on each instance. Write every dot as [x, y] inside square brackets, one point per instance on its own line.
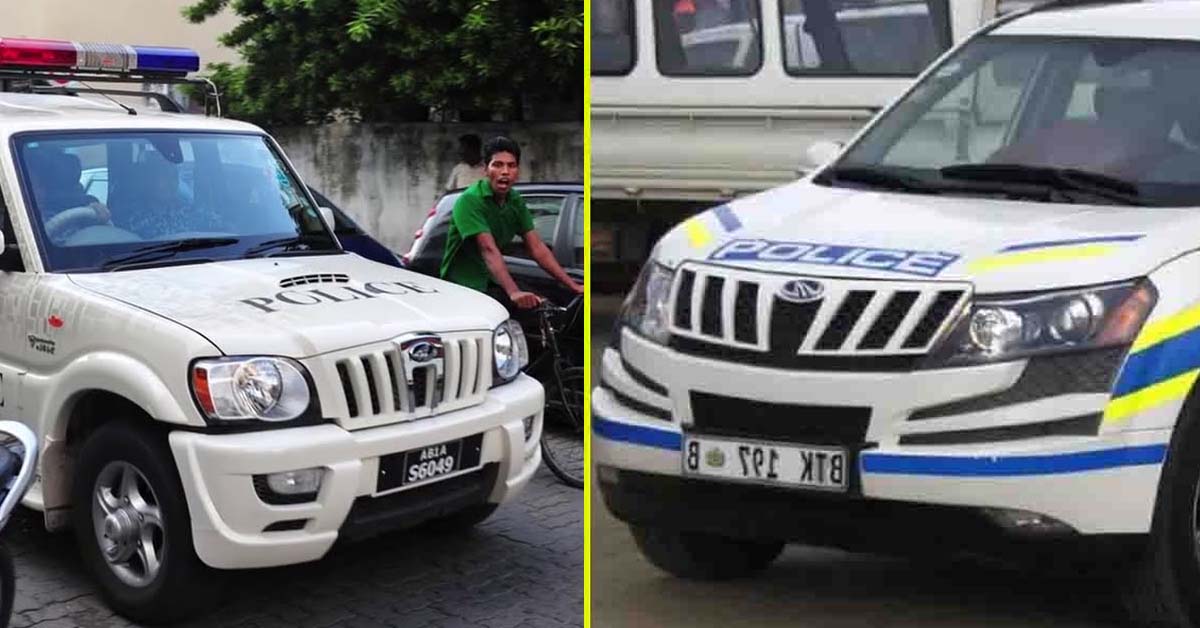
[708, 37]
[613, 49]
[863, 37]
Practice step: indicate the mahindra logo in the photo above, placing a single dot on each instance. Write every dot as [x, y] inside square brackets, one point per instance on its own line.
[801, 291]
[421, 352]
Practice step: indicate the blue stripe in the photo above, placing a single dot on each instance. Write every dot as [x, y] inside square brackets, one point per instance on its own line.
[992, 466]
[1049, 243]
[1160, 362]
[729, 220]
[636, 434]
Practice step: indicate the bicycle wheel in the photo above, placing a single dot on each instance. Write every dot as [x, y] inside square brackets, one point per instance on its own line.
[562, 431]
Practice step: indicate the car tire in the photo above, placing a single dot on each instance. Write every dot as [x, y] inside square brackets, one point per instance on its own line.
[130, 465]
[703, 556]
[1162, 582]
[8, 585]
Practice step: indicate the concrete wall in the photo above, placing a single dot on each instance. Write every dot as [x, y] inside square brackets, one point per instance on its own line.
[388, 176]
[147, 22]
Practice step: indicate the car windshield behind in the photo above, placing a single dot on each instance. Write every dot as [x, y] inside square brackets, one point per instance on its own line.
[1076, 120]
[103, 200]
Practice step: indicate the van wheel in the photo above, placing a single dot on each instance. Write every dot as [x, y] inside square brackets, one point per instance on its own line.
[131, 522]
[1162, 584]
[702, 556]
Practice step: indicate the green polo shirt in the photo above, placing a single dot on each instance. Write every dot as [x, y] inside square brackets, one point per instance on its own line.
[476, 211]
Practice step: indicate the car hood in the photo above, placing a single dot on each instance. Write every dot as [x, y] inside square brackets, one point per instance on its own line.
[998, 245]
[298, 307]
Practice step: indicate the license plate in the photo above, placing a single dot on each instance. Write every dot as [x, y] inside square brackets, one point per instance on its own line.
[807, 466]
[426, 464]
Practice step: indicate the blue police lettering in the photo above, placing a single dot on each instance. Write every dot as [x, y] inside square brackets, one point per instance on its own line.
[740, 249]
[879, 259]
[783, 252]
[925, 263]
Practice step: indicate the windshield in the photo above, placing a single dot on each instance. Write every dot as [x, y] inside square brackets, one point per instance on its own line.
[106, 199]
[1075, 120]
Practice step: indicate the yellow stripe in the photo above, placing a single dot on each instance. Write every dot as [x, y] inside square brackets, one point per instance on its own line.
[697, 232]
[1158, 331]
[1056, 254]
[1177, 387]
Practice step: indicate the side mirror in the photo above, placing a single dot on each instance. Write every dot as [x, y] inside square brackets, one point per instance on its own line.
[2, 242]
[327, 214]
[18, 460]
[820, 153]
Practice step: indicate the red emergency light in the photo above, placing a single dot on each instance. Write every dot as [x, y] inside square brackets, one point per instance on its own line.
[37, 53]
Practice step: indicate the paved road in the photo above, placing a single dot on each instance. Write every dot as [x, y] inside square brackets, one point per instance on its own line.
[521, 568]
[811, 586]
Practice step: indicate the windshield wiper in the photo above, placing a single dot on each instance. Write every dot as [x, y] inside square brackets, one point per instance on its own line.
[301, 245]
[878, 178]
[164, 250]
[1095, 184]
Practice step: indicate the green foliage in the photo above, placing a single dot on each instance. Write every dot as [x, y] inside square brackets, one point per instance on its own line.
[394, 60]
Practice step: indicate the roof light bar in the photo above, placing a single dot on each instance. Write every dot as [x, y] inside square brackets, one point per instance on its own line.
[57, 55]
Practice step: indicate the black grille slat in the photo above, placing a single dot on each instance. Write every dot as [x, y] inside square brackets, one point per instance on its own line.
[745, 313]
[643, 380]
[397, 381]
[420, 387]
[720, 415]
[301, 280]
[639, 406]
[792, 361]
[1086, 425]
[933, 319]
[789, 325]
[843, 321]
[348, 389]
[683, 300]
[371, 391]
[889, 320]
[710, 307]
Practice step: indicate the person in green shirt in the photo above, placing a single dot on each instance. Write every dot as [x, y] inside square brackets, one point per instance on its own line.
[486, 215]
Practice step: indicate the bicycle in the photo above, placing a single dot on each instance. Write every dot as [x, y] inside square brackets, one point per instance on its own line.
[562, 427]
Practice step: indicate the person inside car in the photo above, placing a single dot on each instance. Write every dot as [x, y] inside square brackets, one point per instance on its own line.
[55, 179]
[487, 215]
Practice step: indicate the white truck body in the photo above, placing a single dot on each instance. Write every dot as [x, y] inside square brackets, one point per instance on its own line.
[801, 364]
[73, 340]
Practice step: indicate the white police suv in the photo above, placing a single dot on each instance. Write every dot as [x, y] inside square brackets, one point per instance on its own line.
[979, 325]
[215, 383]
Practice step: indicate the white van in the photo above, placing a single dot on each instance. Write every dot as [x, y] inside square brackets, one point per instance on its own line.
[697, 101]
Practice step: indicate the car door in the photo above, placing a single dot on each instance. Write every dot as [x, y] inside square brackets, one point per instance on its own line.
[547, 211]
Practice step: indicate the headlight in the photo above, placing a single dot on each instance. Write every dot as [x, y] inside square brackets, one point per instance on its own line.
[1004, 327]
[645, 309]
[509, 350]
[253, 388]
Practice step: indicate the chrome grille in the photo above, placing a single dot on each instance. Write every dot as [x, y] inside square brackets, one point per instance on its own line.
[742, 309]
[377, 387]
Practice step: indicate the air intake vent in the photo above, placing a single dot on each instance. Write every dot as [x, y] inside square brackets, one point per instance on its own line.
[301, 280]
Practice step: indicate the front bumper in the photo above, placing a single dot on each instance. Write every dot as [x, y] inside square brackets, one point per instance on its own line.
[1102, 483]
[230, 521]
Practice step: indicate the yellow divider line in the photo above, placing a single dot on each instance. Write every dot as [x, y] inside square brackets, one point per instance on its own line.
[1123, 407]
[697, 232]
[1173, 325]
[1056, 254]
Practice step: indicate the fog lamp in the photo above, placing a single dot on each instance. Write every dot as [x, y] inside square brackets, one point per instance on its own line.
[296, 482]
